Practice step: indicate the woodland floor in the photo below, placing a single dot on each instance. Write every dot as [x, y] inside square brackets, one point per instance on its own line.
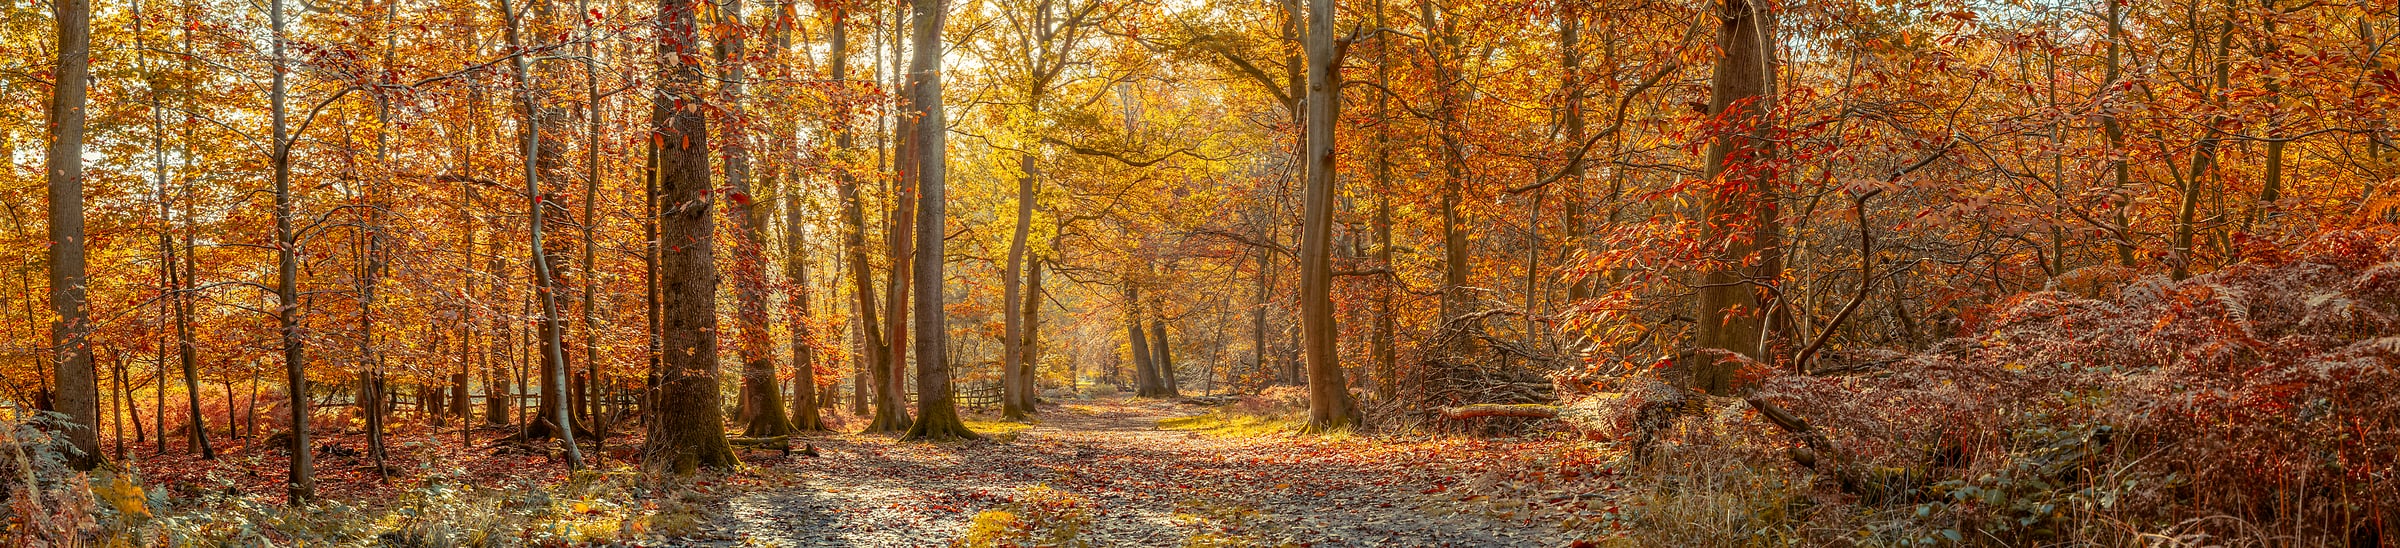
[1138, 484]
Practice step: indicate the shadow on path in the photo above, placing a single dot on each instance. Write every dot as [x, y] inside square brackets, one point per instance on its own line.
[1144, 487]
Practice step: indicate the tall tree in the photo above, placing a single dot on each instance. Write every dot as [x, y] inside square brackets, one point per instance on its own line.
[687, 426]
[762, 395]
[1382, 347]
[1444, 49]
[1014, 384]
[890, 414]
[794, 199]
[371, 259]
[301, 485]
[1029, 337]
[174, 268]
[1047, 42]
[937, 410]
[1164, 364]
[595, 112]
[1742, 205]
[1145, 371]
[71, 331]
[901, 230]
[2114, 129]
[1329, 403]
[559, 421]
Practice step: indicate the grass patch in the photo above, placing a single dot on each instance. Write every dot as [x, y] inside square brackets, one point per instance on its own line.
[1232, 425]
[998, 429]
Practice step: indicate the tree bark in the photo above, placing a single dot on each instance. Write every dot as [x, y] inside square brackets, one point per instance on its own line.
[2271, 184]
[1570, 49]
[1742, 204]
[1329, 404]
[499, 389]
[687, 428]
[595, 109]
[1383, 350]
[2114, 130]
[178, 270]
[2204, 157]
[1145, 372]
[70, 333]
[937, 412]
[1164, 363]
[899, 240]
[1456, 269]
[890, 414]
[301, 484]
[804, 417]
[538, 162]
[762, 396]
[1013, 397]
[1029, 342]
[372, 266]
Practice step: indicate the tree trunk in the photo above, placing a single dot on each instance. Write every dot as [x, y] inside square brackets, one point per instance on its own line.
[687, 428]
[1029, 338]
[1329, 404]
[890, 415]
[2271, 184]
[1383, 351]
[70, 333]
[498, 392]
[2204, 157]
[178, 271]
[1145, 373]
[1164, 364]
[804, 406]
[1570, 48]
[595, 108]
[540, 161]
[653, 300]
[372, 267]
[301, 485]
[1742, 206]
[762, 396]
[1258, 311]
[467, 355]
[898, 239]
[937, 413]
[2115, 131]
[1455, 266]
[1013, 397]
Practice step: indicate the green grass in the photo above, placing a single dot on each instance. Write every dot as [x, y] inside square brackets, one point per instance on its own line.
[997, 427]
[1232, 425]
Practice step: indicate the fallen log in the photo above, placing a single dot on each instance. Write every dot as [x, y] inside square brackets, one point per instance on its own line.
[1480, 410]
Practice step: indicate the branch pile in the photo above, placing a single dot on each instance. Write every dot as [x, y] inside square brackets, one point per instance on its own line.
[1465, 364]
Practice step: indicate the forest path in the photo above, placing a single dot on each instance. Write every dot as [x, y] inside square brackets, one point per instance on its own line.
[1135, 484]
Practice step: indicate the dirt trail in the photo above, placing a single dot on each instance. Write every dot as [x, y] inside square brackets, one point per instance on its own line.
[1139, 486]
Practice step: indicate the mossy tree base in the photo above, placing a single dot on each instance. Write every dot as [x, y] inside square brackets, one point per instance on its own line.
[888, 420]
[940, 426]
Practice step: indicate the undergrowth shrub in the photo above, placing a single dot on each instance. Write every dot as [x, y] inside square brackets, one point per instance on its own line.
[49, 505]
[2255, 405]
[1275, 401]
